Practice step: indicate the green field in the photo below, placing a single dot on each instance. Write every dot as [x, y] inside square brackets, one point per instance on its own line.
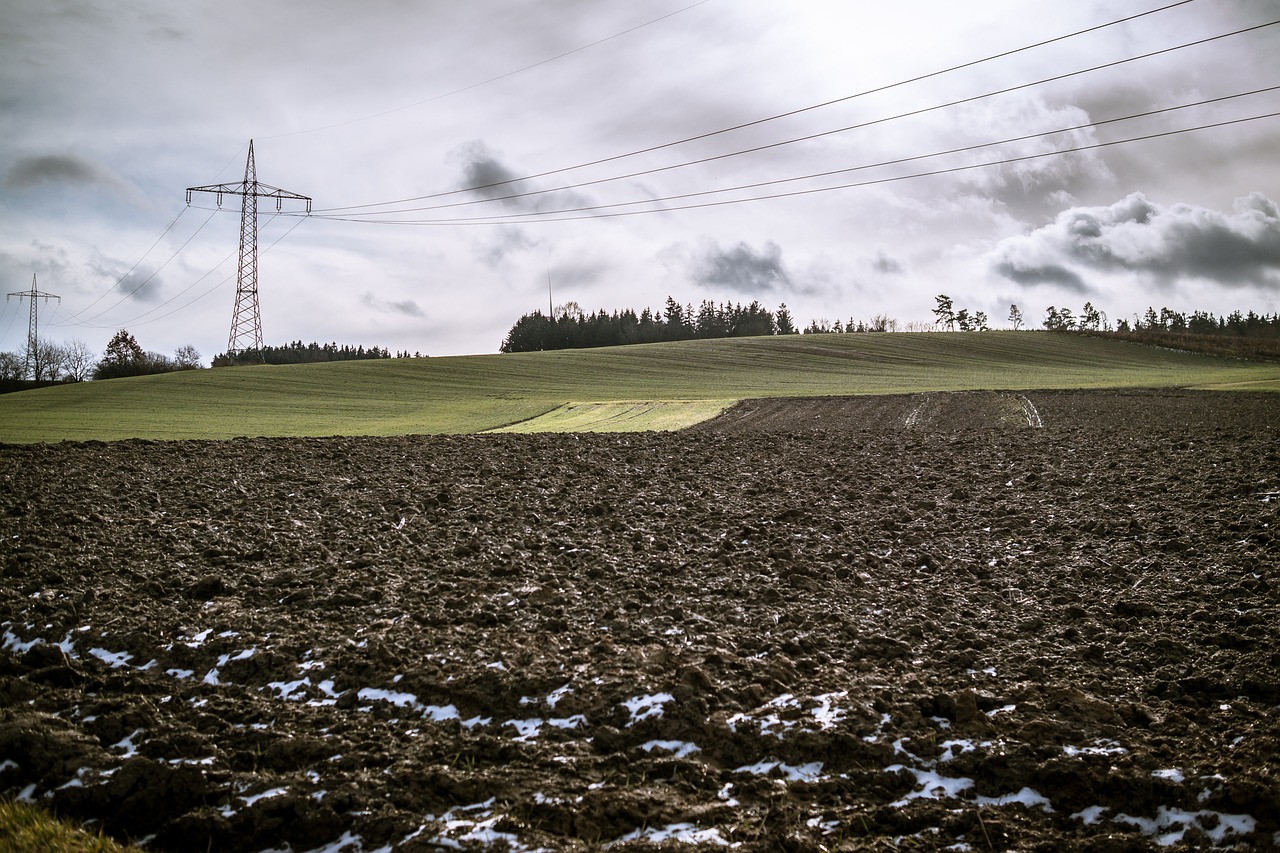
[654, 386]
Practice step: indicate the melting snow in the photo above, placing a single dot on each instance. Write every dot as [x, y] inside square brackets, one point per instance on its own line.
[1170, 824]
[811, 772]
[1026, 797]
[680, 748]
[685, 833]
[1102, 747]
[1091, 815]
[556, 695]
[932, 785]
[113, 659]
[400, 700]
[273, 792]
[127, 744]
[644, 707]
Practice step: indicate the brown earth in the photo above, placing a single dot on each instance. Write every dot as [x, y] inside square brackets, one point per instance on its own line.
[950, 621]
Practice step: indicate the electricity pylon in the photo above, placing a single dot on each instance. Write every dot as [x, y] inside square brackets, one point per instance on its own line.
[32, 363]
[246, 320]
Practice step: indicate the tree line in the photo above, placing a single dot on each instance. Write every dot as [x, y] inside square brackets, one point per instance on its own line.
[49, 362]
[299, 353]
[569, 327]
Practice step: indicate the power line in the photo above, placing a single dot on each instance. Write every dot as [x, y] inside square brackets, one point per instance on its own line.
[812, 136]
[502, 76]
[511, 219]
[766, 119]
[137, 319]
[87, 321]
[129, 272]
[140, 322]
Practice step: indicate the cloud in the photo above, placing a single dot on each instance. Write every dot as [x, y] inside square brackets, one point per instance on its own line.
[67, 171]
[743, 269]
[139, 284]
[404, 307]
[52, 168]
[886, 264]
[1165, 245]
[483, 172]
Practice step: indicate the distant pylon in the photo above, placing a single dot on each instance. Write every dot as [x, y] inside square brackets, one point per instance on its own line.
[32, 364]
[246, 320]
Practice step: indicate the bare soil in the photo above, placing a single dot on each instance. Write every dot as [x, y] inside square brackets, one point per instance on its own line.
[1036, 621]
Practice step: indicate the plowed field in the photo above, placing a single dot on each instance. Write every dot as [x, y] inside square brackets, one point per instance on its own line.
[954, 621]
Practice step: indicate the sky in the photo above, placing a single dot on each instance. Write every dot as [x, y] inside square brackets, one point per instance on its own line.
[472, 162]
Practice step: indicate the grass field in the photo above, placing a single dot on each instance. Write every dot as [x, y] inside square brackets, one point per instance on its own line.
[676, 384]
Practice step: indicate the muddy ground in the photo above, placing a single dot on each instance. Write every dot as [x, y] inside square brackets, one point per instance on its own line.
[1034, 621]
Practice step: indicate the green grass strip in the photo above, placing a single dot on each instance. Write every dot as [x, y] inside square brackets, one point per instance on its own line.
[469, 394]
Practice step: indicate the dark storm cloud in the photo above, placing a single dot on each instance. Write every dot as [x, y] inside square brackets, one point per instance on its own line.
[1042, 274]
[743, 269]
[1165, 244]
[53, 168]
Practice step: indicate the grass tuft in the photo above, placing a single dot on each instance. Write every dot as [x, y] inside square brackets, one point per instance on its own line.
[25, 828]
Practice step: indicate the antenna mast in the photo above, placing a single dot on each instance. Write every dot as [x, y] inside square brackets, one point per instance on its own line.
[246, 320]
[32, 363]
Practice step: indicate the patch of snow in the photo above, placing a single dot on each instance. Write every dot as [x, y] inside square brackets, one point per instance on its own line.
[8, 764]
[273, 792]
[439, 713]
[286, 689]
[684, 833]
[679, 748]
[400, 700]
[112, 659]
[811, 772]
[528, 729]
[644, 707]
[1173, 774]
[27, 794]
[496, 665]
[198, 639]
[1004, 709]
[933, 786]
[180, 674]
[827, 715]
[556, 695]
[1091, 815]
[1101, 747]
[1170, 824]
[568, 722]
[127, 744]
[949, 748]
[1026, 797]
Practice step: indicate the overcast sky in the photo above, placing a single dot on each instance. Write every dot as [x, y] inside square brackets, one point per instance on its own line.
[109, 111]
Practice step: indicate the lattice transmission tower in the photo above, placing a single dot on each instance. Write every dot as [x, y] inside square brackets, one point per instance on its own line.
[246, 320]
[32, 363]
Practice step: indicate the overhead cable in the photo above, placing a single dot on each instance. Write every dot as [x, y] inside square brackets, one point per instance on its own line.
[495, 79]
[809, 137]
[766, 119]
[553, 216]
